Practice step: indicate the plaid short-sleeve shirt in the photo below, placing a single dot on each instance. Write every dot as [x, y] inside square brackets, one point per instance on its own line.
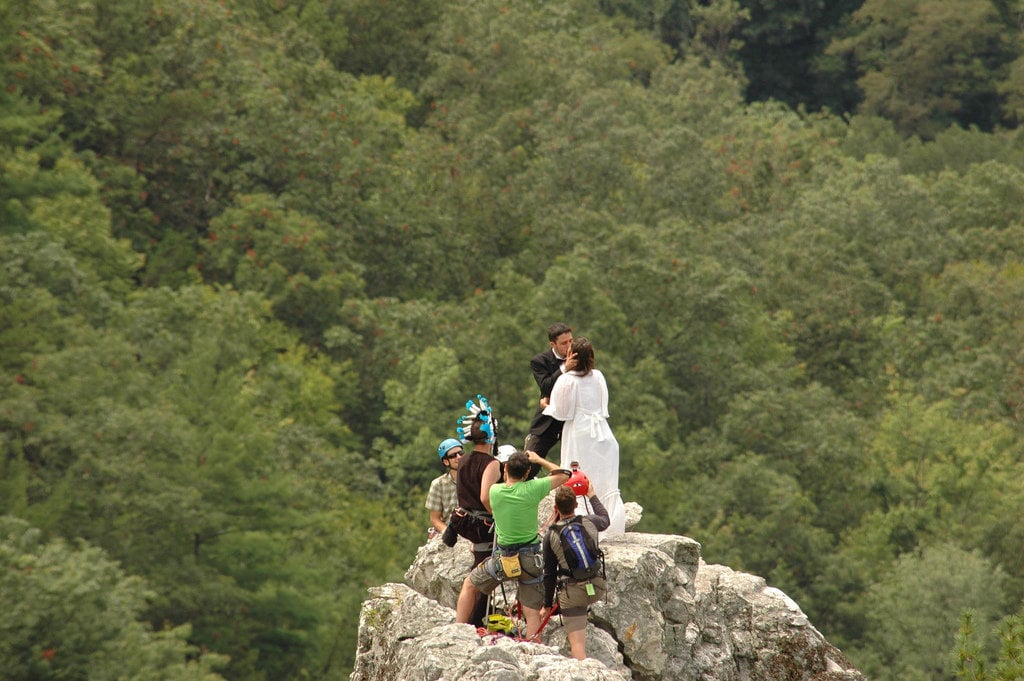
[442, 496]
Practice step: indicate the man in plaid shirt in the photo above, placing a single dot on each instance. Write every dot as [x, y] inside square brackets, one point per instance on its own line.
[441, 497]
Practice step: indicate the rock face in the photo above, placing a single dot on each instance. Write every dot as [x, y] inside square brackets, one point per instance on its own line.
[668, 615]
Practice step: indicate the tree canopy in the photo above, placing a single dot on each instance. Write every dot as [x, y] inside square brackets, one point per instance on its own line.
[256, 256]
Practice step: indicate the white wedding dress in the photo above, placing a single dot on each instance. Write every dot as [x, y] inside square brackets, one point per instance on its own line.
[582, 403]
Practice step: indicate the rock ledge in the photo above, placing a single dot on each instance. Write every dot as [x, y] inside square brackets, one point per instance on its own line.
[668, 615]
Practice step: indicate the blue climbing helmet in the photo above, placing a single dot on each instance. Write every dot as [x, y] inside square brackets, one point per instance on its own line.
[447, 446]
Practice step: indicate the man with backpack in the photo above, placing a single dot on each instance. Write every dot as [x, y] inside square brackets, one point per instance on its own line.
[574, 564]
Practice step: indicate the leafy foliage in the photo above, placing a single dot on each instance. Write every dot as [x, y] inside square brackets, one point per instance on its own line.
[256, 256]
[913, 628]
[71, 612]
[969, 662]
[926, 65]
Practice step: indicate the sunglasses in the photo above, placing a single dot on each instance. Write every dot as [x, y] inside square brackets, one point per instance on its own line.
[454, 455]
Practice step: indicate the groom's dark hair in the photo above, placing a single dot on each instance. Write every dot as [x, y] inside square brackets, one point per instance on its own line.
[557, 329]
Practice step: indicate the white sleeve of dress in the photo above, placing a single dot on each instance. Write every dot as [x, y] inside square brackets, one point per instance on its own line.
[604, 393]
[562, 404]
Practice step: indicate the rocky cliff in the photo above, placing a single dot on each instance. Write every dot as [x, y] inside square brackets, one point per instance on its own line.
[668, 615]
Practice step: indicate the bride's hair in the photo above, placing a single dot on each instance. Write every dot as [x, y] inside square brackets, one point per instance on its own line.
[584, 352]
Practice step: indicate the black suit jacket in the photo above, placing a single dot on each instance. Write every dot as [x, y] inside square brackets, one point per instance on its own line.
[546, 370]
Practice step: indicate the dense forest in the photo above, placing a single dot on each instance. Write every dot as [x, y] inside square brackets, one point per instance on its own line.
[255, 255]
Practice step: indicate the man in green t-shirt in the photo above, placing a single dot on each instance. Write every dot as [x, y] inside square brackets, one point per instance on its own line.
[514, 504]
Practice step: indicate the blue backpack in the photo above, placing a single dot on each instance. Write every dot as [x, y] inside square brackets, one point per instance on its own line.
[584, 558]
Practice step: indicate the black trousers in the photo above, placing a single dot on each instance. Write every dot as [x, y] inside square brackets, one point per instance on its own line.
[478, 618]
[542, 444]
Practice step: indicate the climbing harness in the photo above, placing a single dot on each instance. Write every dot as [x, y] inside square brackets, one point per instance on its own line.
[508, 620]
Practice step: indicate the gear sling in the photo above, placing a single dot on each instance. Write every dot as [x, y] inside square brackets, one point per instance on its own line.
[507, 563]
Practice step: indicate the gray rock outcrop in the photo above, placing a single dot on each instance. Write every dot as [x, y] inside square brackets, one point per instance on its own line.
[668, 615]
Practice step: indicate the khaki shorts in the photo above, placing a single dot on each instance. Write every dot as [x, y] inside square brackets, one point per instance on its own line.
[574, 601]
[485, 578]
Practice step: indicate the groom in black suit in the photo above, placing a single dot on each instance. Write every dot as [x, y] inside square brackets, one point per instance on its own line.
[545, 431]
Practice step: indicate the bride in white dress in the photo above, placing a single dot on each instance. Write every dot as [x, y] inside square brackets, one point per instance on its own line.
[580, 399]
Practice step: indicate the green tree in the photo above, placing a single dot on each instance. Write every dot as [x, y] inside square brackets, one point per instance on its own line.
[514, 84]
[388, 40]
[956, 355]
[294, 261]
[178, 440]
[812, 436]
[782, 45]
[914, 611]
[841, 290]
[753, 518]
[422, 406]
[927, 65]
[212, 104]
[971, 662]
[700, 319]
[63, 200]
[949, 474]
[72, 612]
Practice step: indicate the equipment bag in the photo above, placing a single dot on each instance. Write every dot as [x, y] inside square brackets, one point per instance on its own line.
[584, 558]
[510, 565]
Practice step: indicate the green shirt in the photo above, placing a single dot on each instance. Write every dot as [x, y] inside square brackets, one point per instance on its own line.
[515, 510]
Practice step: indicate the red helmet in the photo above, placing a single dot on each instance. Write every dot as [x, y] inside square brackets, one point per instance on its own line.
[579, 482]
